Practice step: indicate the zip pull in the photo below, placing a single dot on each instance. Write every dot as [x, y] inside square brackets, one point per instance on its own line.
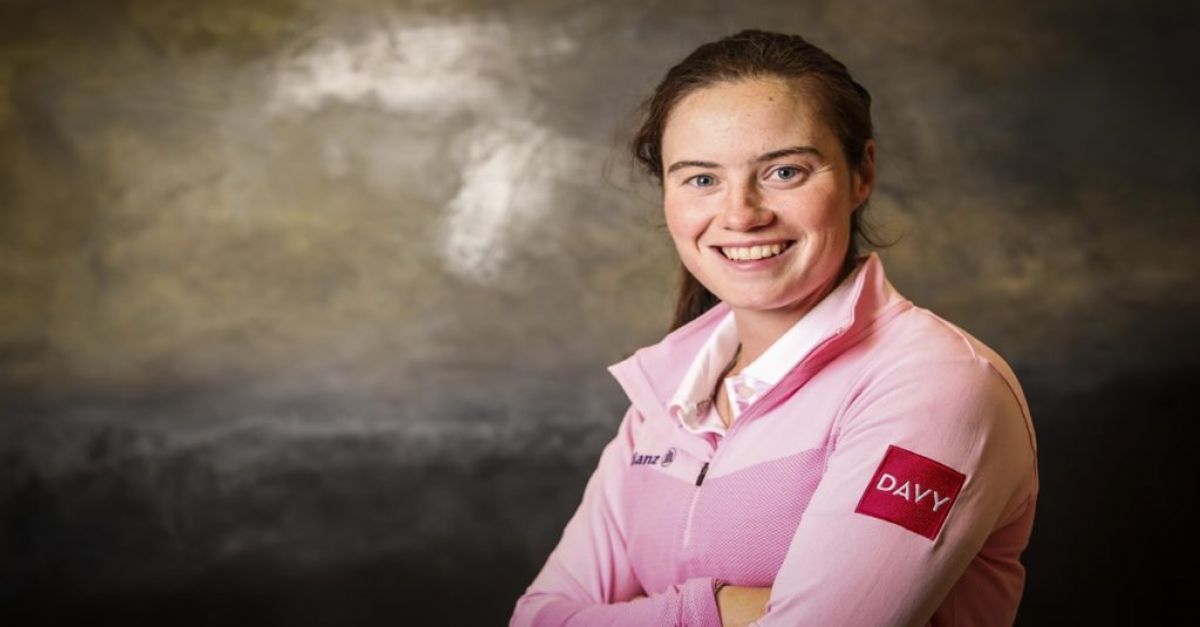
[703, 471]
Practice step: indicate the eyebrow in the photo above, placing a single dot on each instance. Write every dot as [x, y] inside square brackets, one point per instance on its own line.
[769, 156]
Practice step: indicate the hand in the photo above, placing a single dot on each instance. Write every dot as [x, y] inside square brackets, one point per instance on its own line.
[741, 605]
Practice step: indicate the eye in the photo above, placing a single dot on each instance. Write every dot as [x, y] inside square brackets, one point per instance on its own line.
[701, 180]
[788, 173]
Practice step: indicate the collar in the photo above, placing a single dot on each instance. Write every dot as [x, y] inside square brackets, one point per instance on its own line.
[692, 400]
[654, 377]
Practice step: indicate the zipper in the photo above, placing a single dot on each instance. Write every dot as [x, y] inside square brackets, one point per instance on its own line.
[687, 528]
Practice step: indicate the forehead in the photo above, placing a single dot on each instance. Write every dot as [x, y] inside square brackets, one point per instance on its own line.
[749, 116]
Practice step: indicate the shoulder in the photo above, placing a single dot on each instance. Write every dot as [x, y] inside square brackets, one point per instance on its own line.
[925, 373]
[920, 341]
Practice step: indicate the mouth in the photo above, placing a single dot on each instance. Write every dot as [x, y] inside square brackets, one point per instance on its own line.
[752, 253]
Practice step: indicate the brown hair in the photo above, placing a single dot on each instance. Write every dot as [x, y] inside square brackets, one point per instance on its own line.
[844, 104]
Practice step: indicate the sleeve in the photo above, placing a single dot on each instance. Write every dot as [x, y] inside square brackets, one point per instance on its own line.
[927, 461]
[588, 578]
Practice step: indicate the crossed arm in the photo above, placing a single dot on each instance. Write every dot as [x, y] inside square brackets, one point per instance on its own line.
[739, 605]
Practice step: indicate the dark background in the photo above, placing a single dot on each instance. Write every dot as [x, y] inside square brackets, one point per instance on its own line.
[305, 306]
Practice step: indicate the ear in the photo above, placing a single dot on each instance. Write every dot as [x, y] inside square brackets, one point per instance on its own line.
[864, 175]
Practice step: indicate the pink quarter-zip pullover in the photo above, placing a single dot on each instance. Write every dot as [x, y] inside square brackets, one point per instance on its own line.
[880, 470]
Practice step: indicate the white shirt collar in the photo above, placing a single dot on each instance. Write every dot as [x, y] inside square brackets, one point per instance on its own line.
[692, 401]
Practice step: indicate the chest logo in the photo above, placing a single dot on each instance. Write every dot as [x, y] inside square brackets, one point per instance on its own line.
[665, 459]
[912, 491]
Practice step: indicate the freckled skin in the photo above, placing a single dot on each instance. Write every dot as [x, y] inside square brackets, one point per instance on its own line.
[805, 199]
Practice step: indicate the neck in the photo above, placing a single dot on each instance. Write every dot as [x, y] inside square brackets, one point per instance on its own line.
[759, 329]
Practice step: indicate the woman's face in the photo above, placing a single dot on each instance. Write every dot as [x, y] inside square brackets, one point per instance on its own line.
[758, 194]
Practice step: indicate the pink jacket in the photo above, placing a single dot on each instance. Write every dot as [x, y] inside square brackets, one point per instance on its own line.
[889, 478]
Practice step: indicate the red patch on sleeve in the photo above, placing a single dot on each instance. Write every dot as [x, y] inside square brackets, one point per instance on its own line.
[912, 491]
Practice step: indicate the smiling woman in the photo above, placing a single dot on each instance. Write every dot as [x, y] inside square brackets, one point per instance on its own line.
[806, 447]
[764, 222]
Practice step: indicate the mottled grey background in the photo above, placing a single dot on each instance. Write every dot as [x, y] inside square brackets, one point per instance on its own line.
[305, 306]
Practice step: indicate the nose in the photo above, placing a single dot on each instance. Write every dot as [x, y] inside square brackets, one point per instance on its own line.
[744, 210]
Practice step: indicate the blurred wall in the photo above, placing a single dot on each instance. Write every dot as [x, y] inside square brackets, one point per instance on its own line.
[305, 306]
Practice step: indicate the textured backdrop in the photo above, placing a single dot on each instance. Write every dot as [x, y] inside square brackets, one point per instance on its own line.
[305, 306]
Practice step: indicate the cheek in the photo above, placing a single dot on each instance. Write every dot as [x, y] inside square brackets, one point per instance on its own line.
[684, 225]
[820, 212]
[829, 221]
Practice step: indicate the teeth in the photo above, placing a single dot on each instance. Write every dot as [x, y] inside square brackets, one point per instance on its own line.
[752, 252]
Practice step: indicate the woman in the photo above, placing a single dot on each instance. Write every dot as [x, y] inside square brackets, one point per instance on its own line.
[807, 447]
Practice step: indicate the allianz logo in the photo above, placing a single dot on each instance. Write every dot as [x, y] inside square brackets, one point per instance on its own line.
[663, 460]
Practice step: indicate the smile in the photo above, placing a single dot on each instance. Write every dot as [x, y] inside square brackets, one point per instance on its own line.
[747, 253]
